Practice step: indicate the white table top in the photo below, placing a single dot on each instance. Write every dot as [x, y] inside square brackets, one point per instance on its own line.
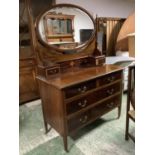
[114, 59]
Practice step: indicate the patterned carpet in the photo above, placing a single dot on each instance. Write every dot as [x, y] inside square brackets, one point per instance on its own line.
[103, 137]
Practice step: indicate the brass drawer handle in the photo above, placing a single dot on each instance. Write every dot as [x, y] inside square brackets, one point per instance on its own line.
[83, 104]
[110, 79]
[52, 71]
[110, 105]
[110, 92]
[82, 90]
[84, 119]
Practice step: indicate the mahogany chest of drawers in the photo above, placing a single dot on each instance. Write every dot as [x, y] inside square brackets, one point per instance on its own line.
[77, 98]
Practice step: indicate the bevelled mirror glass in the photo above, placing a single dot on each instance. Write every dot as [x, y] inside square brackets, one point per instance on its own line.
[66, 28]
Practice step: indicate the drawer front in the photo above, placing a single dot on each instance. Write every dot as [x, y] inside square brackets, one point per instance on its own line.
[79, 89]
[78, 121]
[107, 92]
[80, 104]
[109, 78]
[52, 71]
[105, 107]
[98, 95]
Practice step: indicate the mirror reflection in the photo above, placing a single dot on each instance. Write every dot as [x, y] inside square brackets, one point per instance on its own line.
[66, 28]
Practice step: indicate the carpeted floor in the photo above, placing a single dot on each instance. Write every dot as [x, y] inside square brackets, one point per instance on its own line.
[103, 137]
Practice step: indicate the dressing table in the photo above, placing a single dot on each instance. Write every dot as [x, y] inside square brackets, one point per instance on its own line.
[75, 88]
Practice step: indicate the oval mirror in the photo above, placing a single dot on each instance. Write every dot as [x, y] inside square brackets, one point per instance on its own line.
[66, 28]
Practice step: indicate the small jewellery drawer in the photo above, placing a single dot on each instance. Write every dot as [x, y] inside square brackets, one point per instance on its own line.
[110, 78]
[52, 71]
[105, 106]
[79, 89]
[78, 121]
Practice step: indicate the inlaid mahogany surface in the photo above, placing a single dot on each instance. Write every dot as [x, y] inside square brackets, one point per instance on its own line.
[78, 75]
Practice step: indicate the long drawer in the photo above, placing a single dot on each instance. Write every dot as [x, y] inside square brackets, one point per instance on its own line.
[84, 118]
[92, 98]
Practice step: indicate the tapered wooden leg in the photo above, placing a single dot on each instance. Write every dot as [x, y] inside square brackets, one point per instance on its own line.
[119, 112]
[65, 143]
[46, 127]
[127, 128]
[45, 123]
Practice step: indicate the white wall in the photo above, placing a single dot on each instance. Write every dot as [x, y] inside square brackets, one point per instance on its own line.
[105, 8]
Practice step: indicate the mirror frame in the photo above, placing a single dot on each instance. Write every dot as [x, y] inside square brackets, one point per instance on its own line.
[77, 49]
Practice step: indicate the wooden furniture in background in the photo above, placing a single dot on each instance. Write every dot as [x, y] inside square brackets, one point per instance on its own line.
[110, 28]
[37, 6]
[127, 28]
[130, 113]
[28, 89]
[76, 98]
[131, 44]
[61, 28]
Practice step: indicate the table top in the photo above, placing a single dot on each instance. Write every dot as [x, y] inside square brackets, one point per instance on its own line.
[80, 75]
